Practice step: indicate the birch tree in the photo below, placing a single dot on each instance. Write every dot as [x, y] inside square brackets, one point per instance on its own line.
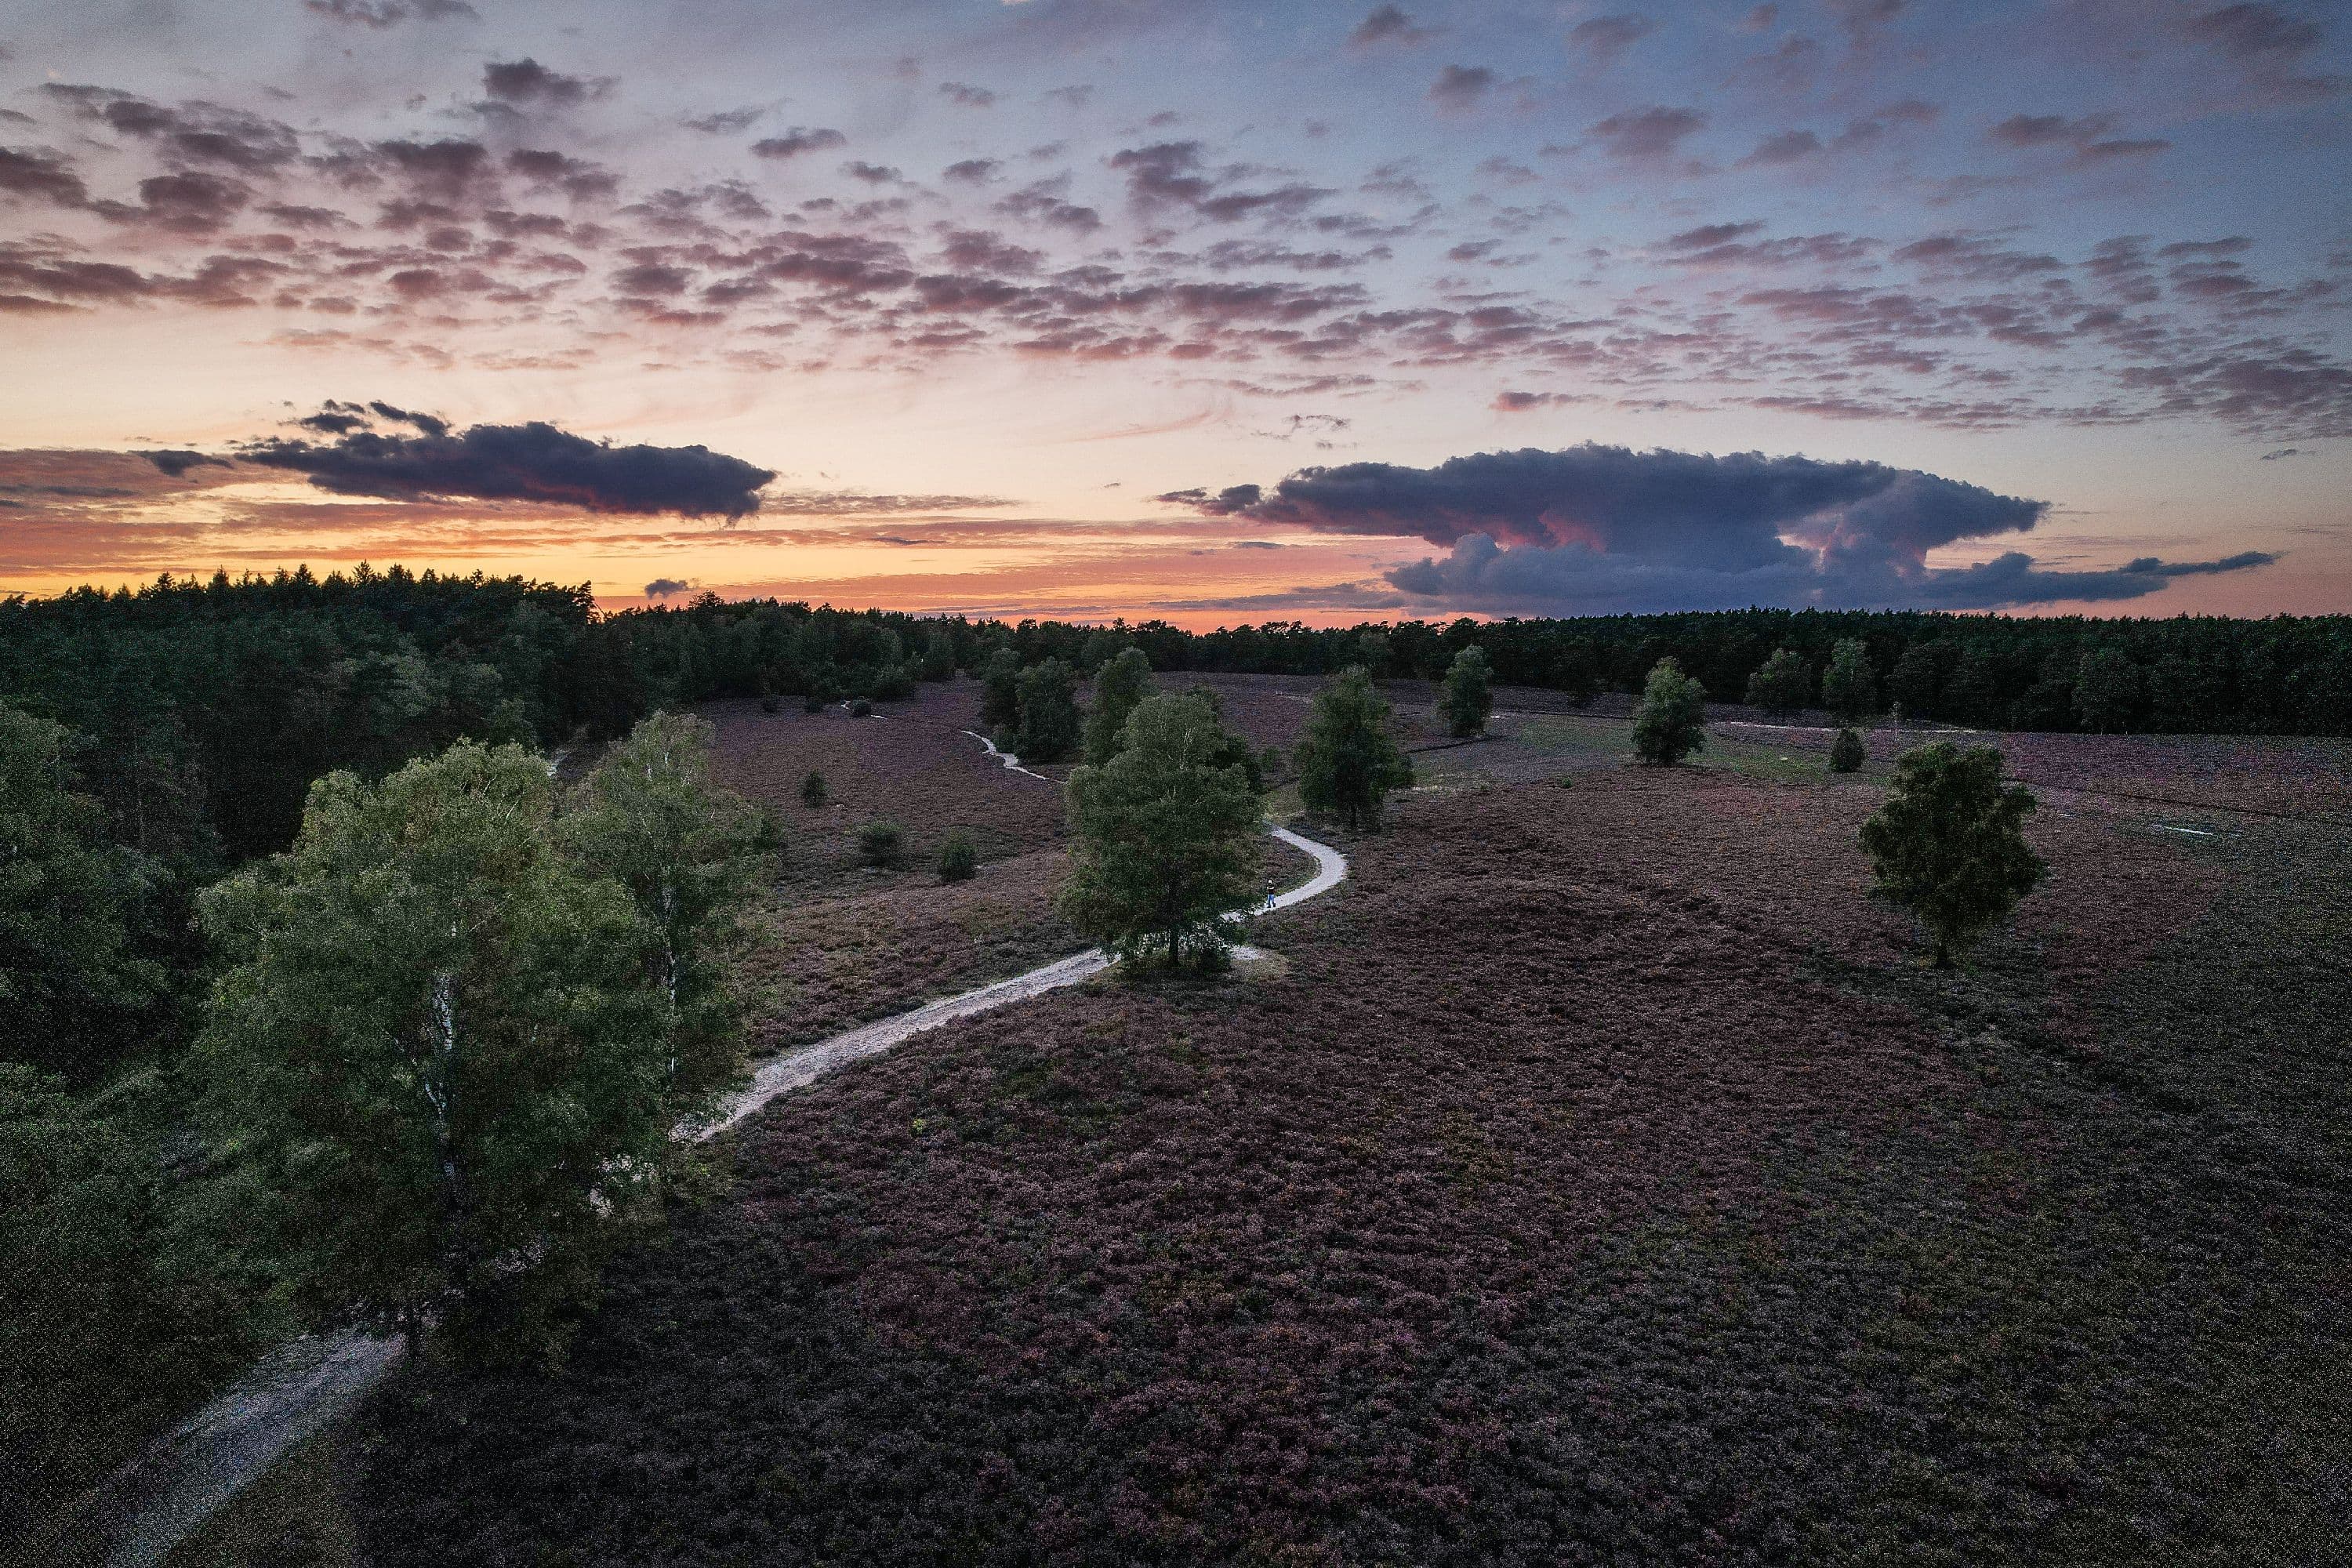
[437, 1041]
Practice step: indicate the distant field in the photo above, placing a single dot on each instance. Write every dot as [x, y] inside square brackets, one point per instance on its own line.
[1602, 1179]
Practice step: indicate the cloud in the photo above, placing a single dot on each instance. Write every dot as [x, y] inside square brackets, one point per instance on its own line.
[1388, 26]
[972, 171]
[1603, 530]
[1644, 135]
[799, 139]
[2267, 44]
[967, 95]
[1604, 39]
[175, 464]
[723, 121]
[535, 462]
[2286, 452]
[43, 174]
[196, 133]
[1459, 88]
[2086, 138]
[526, 81]
[664, 587]
[1525, 402]
[389, 13]
[1172, 173]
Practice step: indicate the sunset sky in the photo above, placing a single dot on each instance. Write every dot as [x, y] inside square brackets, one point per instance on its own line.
[1216, 311]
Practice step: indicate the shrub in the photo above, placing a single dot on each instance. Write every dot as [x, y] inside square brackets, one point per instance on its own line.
[861, 709]
[1781, 684]
[811, 703]
[1163, 835]
[814, 793]
[959, 861]
[878, 843]
[1349, 762]
[1671, 722]
[1849, 686]
[1949, 843]
[1846, 752]
[1469, 694]
[768, 703]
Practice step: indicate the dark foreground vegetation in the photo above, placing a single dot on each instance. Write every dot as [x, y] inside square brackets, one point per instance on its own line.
[1631, 1197]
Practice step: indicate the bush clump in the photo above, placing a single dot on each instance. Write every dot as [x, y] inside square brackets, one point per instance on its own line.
[815, 791]
[861, 709]
[1949, 844]
[878, 843]
[1469, 694]
[1670, 724]
[1846, 752]
[959, 861]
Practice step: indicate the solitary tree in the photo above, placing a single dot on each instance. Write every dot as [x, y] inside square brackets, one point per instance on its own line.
[1781, 684]
[1000, 690]
[2107, 689]
[689, 850]
[1165, 834]
[1671, 722]
[437, 1042]
[1948, 845]
[1349, 762]
[1048, 727]
[1469, 694]
[1847, 752]
[814, 792]
[1849, 686]
[1124, 682]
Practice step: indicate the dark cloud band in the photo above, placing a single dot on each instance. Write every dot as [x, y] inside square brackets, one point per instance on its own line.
[1603, 529]
[535, 462]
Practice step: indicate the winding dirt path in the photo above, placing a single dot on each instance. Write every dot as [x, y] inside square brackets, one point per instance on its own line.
[159, 1498]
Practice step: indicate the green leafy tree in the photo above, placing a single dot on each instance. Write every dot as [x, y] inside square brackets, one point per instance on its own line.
[1849, 686]
[2107, 690]
[1372, 651]
[1469, 694]
[814, 792]
[1671, 722]
[1124, 682]
[1049, 726]
[1000, 690]
[689, 851]
[72, 909]
[1349, 762]
[1164, 834]
[1781, 684]
[1846, 753]
[437, 1042]
[1948, 845]
[939, 655]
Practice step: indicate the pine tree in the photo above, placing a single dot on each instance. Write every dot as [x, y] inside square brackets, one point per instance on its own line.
[1671, 722]
[1048, 729]
[1164, 834]
[1781, 684]
[1469, 694]
[1948, 845]
[1849, 686]
[2107, 690]
[1000, 690]
[1847, 752]
[1124, 682]
[1349, 762]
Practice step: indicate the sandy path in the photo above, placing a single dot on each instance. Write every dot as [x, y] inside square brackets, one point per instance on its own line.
[155, 1501]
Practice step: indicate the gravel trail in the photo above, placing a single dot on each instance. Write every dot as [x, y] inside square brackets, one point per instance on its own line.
[156, 1500]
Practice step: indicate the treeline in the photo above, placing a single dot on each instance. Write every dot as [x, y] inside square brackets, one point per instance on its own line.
[2205, 674]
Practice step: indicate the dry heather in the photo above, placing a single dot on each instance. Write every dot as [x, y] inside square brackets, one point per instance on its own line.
[1603, 1181]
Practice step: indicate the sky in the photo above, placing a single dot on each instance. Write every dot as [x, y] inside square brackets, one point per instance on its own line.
[1211, 312]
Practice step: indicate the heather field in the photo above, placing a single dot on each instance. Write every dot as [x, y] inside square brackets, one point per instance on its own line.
[1599, 1177]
